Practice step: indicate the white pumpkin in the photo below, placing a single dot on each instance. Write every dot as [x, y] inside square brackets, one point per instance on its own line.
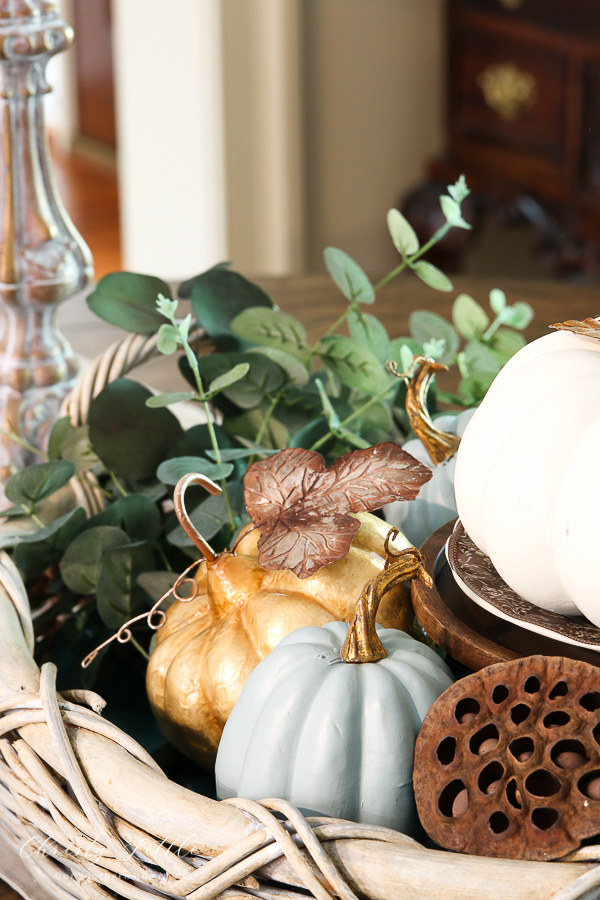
[436, 503]
[334, 738]
[526, 480]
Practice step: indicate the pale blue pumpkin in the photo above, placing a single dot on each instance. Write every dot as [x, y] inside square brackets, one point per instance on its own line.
[436, 503]
[334, 738]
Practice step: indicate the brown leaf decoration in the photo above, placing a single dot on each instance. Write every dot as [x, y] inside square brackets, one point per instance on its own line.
[588, 328]
[302, 508]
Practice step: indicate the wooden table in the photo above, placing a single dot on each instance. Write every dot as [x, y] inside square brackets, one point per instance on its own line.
[317, 303]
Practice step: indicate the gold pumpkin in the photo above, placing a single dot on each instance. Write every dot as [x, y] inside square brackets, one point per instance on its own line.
[207, 647]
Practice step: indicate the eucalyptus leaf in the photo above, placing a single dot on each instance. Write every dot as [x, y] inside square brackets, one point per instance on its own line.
[197, 440]
[171, 470]
[159, 400]
[131, 439]
[480, 358]
[185, 288]
[451, 210]
[168, 339]
[15, 529]
[406, 359]
[432, 276]
[403, 234]
[348, 276]
[118, 594]
[244, 428]
[128, 300]
[156, 584]
[37, 551]
[312, 432]
[82, 561]
[224, 381]
[242, 453]
[398, 355]
[434, 348]
[473, 389]
[264, 376]
[77, 448]
[136, 514]
[459, 191]
[333, 420]
[505, 343]
[425, 325]
[219, 296]
[369, 331]
[470, 319]
[32, 485]
[154, 491]
[497, 301]
[59, 430]
[272, 328]
[295, 371]
[353, 364]
[379, 416]
[518, 316]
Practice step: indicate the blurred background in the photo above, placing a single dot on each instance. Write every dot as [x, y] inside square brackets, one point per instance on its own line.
[261, 131]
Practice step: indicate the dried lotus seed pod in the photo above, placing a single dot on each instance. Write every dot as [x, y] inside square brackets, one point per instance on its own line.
[507, 762]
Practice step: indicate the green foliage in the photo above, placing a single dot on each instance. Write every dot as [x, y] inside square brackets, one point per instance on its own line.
[130, 438]
[272, 328]
[171, 470]
[348, 276]
[118, 594]
[354, 364]
[33, 484]
[37, 551]
[432, 276]
[367, 330]
[128, 300]
[425, 326]
[470, 319]
[402, 233]
[219, 296]
[59, 430]
[273, 389]
[82, 561]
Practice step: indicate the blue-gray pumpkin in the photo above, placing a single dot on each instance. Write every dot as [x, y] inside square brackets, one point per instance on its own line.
[436, 503]
[335, 738]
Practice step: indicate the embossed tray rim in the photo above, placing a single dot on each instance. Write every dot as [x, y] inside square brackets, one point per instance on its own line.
[555, 626]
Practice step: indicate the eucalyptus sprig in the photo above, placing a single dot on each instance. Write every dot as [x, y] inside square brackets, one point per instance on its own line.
[264, 387]
[169, 338]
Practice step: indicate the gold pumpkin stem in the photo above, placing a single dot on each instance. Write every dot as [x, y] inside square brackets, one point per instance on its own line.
[182, 514]
[440, 445]
[362, 644]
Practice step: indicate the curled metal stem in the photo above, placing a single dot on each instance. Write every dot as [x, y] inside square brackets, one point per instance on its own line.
[182, 514]
[155, 618]
[440, 445]
[362, 642]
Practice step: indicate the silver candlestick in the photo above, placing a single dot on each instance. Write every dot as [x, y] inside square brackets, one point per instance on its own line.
[43, 259]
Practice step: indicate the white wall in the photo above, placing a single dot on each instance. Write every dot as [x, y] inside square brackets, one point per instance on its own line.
[170, 135]
[374, 100]
[263, 71]
[264, 130]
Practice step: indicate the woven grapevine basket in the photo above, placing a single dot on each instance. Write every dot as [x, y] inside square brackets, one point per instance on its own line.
[100, 820]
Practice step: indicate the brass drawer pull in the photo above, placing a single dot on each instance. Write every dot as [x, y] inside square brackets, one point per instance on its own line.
[508, 90]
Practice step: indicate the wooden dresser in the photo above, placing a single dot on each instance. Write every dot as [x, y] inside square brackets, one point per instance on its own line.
[524, 104]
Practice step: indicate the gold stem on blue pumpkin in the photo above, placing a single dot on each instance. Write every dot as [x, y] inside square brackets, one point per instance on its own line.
[362, 642]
